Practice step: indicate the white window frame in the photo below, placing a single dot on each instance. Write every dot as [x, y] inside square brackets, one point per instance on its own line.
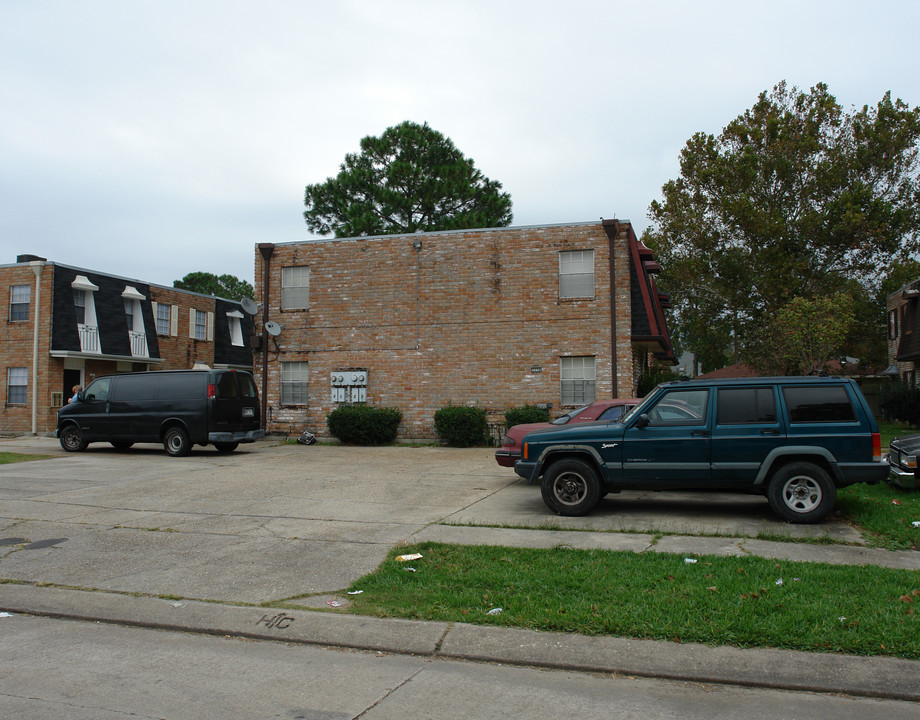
[235, 320]
[17, 383]
[200, 325]
[578, 379]
[576, 274]
[20, 295]
[295, 383]
[295, 287]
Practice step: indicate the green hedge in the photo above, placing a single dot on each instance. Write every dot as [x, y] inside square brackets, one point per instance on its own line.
[900, 401]
[525, 414]
[364, 425]
[462, 426]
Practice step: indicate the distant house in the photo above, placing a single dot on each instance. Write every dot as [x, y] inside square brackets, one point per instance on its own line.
[67, 325]
[904, 332]
[556, 315]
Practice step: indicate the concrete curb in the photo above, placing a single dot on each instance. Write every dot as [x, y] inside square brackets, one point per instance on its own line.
[878, 677]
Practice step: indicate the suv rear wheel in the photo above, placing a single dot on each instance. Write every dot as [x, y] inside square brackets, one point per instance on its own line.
[571, 487]
[802, 492]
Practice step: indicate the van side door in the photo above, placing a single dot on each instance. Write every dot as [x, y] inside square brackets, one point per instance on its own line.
[92, 412]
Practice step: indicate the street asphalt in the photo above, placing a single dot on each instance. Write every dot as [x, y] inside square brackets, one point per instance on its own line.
[208, 542]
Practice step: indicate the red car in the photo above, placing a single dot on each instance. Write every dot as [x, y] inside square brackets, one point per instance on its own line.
[510, 451]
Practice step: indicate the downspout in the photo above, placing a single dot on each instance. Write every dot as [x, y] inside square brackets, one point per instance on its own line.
[267, 249]
[37, 266]
[611, 239]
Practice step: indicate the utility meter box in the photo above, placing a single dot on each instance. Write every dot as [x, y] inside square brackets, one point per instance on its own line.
[349, 386]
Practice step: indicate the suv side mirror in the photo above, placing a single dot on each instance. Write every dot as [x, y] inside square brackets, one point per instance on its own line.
[642, 421]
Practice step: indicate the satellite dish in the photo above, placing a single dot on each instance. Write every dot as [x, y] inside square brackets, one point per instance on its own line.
[249, 306]
[273, 328]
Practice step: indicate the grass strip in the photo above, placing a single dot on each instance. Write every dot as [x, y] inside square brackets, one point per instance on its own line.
[745, 602]
[884, 514]
[8, 457]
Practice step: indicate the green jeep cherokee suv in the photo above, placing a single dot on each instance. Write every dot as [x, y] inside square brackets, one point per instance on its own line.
[795, 440]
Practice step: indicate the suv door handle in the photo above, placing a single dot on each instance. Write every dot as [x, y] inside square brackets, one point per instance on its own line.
[771, 431]
[699, 433]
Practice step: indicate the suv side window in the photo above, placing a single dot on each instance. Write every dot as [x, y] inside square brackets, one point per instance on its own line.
[680, 407]
[746, 406]
[818, 404]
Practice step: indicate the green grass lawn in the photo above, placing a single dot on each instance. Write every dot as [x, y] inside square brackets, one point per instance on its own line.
[745, 602]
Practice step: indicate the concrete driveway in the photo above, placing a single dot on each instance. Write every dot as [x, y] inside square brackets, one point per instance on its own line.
[274, 521]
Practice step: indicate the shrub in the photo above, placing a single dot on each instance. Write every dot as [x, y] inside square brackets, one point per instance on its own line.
[900, 400]
[364, 425]
[652, 377]
[462, 426]
[525, 414]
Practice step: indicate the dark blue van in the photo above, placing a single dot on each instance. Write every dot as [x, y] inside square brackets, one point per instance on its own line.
[179, 408]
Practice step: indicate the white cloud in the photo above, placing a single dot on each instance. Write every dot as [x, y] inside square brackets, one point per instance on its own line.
[185, 133]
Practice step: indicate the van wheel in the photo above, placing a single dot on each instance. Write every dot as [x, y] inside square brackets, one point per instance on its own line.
[224, 448]
[72, 439]
[176, 442]
[571, 487]
[802, 492]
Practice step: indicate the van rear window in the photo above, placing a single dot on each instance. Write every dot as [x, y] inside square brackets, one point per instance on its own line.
[829, 403]
[247, 386]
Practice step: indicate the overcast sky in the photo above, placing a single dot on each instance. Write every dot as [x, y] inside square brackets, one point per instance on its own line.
[153, 138]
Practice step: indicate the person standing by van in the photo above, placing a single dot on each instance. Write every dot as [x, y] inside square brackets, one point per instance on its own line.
[76, 391]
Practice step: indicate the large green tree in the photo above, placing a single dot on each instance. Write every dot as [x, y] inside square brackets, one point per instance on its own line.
[225, 286]
[411, 178]
[795, 198]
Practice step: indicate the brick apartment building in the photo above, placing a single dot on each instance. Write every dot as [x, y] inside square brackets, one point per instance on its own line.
[557, 315]
[904, 331]
[64, 326]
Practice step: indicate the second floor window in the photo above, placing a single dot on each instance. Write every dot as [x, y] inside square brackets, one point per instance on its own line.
[20, 296]
[295, 288]
[129, 313]
[576, 274]
[79, 303]
[163, 319]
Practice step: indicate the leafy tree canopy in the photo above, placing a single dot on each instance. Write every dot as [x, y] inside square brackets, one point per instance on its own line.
[410, 179]
[225, 286]
[795, 198]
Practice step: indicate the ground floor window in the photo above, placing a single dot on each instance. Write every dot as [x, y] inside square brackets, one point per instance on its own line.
[294, 383]
[578, 380]
[17, 386]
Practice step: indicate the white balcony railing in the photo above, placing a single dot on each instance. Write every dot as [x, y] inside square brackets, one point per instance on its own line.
[89, 338]
[138, 344]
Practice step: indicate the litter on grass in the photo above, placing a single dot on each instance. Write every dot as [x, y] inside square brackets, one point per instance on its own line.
[916, 523]
[690, 561]
[355, 592]
[494, 611]
[334, 603]
[404, 558]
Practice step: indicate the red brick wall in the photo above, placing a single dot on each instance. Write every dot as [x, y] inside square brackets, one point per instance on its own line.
[472, 318]
[16, 348]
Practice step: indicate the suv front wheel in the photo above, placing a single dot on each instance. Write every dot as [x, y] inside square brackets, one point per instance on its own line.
[571, 487]
[802, 492]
